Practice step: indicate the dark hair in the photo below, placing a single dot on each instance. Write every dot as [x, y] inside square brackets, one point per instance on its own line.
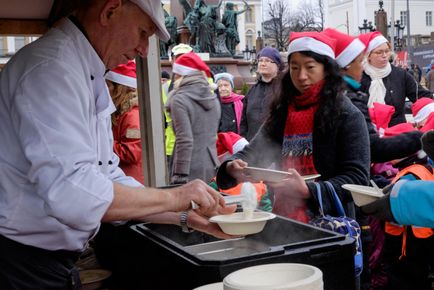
[284, 92]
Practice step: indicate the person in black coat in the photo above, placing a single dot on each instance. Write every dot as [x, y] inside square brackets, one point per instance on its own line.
[257, 98]
[385, 83]
[349, 56]
[312, 127]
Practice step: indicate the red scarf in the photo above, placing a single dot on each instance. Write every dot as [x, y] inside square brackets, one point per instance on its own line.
[297, 139]
[238, 106]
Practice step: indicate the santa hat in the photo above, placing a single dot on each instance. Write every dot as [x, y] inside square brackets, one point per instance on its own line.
[372, 40]
[381, 114]
[347, 47]
[230, 142]
[422, 108]
[312, 41]
[398, 129]
[124, 74]
[190, 63]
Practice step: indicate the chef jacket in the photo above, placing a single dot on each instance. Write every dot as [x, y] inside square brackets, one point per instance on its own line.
[57, 165]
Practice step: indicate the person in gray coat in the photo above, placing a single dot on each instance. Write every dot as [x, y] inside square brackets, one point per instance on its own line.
[195, 112]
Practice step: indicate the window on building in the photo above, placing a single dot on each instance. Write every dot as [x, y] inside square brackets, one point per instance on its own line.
[428, 17]
[249, 39]
[249, 15]
[404, 17]
[3, 46]
[19, 42]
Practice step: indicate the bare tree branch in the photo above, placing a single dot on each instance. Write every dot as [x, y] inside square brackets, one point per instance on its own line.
[277, 25]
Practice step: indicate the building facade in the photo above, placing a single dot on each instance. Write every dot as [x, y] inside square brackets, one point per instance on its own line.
[348, 15]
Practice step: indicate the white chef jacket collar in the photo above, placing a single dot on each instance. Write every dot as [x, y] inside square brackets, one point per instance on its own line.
[103, 103]
[96, 66]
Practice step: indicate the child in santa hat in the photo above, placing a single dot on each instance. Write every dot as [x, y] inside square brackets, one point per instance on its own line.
[423, 115]
[122, 84]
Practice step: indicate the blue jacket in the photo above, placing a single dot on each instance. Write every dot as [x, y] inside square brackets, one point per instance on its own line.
[408, 210]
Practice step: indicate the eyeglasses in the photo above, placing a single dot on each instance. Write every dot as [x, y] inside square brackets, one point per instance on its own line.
[265, 60]
[381, 52]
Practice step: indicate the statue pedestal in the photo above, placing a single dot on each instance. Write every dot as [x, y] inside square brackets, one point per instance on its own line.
[239, 68]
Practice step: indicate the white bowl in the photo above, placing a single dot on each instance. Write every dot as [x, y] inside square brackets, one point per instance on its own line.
[238, 224]
[363, 195]
[280, 276]
[213, 286]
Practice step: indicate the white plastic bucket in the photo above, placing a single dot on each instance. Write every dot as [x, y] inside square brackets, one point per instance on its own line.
[280, 276]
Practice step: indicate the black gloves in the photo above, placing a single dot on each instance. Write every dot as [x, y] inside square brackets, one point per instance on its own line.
[428, 143]
[379, 209]
[179, 179]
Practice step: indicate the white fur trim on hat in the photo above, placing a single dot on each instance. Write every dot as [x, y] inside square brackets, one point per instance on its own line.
[310, 44]
[183, 70]
[355, 48]
[424, 113]
[121, 79]
[376, 42]
[239, 145]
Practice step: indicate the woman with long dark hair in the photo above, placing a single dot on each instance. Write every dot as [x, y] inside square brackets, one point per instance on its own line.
[312, 127]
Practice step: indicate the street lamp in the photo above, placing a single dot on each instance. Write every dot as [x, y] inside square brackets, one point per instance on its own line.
[246, 53]
[366, 27]
[399, 29]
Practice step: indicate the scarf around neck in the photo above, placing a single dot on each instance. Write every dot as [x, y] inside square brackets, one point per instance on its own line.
[237, 100]
[377, 89]
[297, 139]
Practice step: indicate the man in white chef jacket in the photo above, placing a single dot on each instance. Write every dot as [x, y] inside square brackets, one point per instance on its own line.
[59, 177]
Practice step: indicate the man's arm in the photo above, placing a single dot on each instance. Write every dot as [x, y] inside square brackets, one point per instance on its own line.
[132, 203]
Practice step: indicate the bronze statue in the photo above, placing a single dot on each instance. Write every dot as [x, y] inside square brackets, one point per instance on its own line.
[230, 21]
[170, 23]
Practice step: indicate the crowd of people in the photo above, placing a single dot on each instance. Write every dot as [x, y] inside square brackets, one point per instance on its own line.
[71, 158]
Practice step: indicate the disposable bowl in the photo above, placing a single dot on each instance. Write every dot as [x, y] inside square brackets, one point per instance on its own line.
[279, 276]
[238, 224]
[363, 195]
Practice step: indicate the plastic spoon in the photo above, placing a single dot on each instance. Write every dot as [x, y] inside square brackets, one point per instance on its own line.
[376, 187]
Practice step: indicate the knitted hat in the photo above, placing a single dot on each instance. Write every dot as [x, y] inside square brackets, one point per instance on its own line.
[272, 54]
[312, 41]
[372, 40]
[422, 108]
[347, 47]
[224, 76]
[190, 63]
[124, 74]
[181, 49]
[230, 142]
[154, 10]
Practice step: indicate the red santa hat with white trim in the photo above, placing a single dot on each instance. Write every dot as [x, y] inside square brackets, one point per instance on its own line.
[124, 74]
[347, 47]
[372, 40]
[312, 41]
[422, 108]
[190, 63]
[230, 142]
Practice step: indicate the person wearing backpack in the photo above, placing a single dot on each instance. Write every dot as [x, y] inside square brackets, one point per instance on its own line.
[409, 209]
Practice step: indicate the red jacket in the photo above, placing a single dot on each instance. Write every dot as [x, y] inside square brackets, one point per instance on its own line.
[127, 143]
